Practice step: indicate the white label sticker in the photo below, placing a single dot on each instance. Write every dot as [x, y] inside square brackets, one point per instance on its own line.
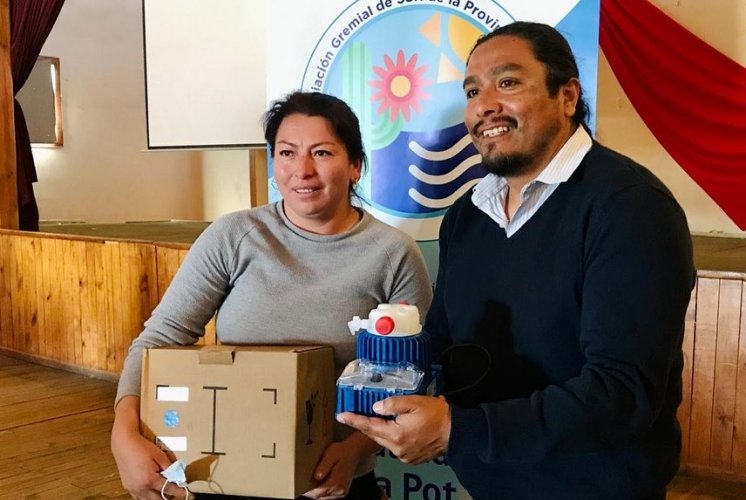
[173, 443]
[168, 393]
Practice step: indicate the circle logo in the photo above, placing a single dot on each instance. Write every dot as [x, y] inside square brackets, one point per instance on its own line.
[401, 71]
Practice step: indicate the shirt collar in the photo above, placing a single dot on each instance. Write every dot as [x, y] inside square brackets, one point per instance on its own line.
[567, 159]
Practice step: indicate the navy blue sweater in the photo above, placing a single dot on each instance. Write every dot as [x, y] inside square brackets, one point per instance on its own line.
[582, 314]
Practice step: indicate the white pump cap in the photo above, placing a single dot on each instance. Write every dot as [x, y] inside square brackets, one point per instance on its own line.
[394, 320]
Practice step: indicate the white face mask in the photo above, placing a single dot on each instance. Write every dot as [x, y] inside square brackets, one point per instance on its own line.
[175, 473]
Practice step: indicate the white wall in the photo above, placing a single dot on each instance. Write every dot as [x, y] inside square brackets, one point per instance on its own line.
[722, 23]
[225, 186]
[102, 172]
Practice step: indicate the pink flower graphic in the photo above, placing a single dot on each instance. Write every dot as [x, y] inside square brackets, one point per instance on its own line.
[400, 86]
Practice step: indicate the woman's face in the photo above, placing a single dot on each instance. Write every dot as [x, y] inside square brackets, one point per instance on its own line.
[313, 173]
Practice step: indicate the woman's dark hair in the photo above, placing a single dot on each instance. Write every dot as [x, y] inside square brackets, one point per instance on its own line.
[335, 111]
[551, 49]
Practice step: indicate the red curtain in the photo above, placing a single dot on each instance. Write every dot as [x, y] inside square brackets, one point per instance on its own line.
[691, 97]
[30, 24]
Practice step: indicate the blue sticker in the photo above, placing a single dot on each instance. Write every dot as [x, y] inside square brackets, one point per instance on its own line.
[171, 418]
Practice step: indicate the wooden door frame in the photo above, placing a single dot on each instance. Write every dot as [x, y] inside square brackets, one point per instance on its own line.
[8, 187]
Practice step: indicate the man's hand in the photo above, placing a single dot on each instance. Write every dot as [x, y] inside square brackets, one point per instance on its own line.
[419, 432]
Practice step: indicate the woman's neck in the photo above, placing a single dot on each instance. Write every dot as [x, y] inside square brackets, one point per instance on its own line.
[339, 224]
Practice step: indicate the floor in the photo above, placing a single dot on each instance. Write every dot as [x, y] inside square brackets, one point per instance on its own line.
[54, 434]
[54, 439]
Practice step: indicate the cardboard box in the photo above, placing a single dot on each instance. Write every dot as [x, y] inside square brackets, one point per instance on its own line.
[249, 420]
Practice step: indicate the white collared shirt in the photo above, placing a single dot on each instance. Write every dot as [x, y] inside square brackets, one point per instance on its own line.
[491, 192]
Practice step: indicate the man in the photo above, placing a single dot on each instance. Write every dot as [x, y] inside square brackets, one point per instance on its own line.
[560, 299]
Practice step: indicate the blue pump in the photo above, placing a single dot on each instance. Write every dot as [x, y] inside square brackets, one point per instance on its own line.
[393, 358]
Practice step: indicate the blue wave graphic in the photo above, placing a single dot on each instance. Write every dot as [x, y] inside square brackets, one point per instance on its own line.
[420, 172]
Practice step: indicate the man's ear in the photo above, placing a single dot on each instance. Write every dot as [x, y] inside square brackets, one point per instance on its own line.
[570, 93]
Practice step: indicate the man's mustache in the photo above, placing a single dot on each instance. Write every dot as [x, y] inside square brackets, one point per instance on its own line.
[494, 122]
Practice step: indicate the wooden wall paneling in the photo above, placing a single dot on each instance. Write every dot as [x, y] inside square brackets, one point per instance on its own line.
[54, 342]
[97, 258]
[128, 303]
[54, 337]
[6, 313]
[50, 337]
[20, 298]
[36, 261]
[726, 369]
[703, 380]
[138, 294]
[16, 312]
[685, 409]
[114, 309]
[66, 334]
[31, 342]
[10, 342]
[89, 308]
[6, 323]
[25, 252]
[78, 279]
[70, 301]
[169, 260]
[48, 299]
[16, 309]
[35, 274]
[739, 431]
[60, 334]
[162, 255]
[95, 326]
[146, 276]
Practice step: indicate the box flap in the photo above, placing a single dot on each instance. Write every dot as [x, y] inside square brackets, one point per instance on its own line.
[216, 356]
[307, 348]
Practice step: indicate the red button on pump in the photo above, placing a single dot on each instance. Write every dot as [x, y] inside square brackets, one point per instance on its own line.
[385, 325]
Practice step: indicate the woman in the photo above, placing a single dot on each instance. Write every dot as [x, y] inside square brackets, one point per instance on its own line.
[266, 271]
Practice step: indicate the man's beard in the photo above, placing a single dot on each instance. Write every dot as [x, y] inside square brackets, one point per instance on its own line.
[507, 165]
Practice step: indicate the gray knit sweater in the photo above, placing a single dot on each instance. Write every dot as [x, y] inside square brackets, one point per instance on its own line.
[273, 283]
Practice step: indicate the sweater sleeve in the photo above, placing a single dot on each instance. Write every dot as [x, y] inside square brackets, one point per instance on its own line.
[410, 282]
[194, 295]
[635, 290]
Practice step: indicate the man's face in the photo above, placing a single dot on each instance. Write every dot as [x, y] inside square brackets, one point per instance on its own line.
[514, 123]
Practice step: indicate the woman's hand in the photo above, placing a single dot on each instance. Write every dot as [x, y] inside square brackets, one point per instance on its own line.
[139, 461]
[337, 466]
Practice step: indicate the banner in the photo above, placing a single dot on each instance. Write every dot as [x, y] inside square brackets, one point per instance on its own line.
[400, 65]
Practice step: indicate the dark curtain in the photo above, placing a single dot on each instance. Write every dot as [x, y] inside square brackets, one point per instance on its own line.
[691, 96]
[30, 24]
